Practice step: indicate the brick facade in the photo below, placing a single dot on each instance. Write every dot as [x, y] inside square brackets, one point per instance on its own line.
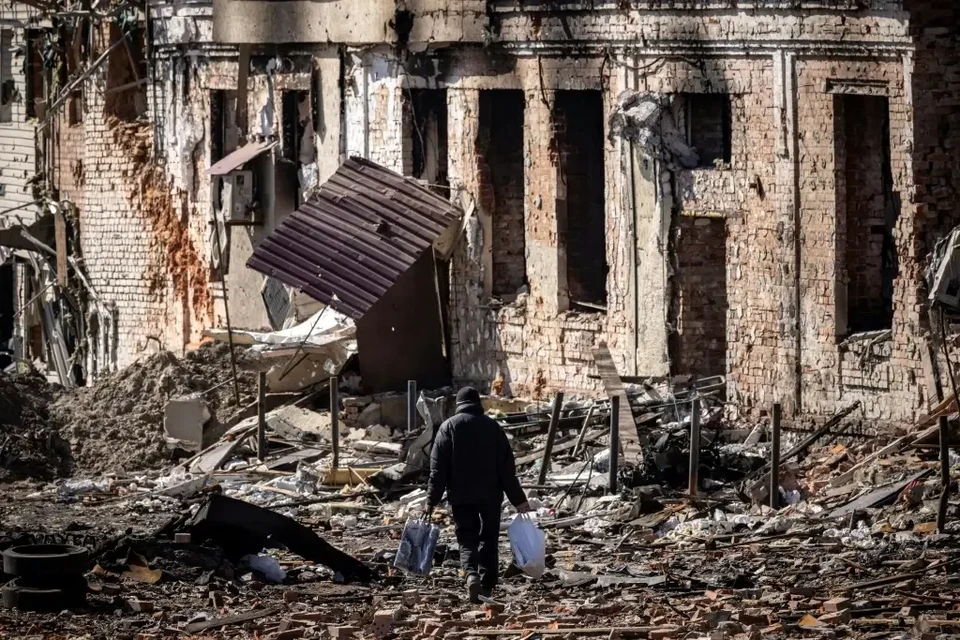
[829, 167]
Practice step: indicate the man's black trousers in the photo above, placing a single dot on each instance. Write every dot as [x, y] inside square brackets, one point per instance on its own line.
[478, 532]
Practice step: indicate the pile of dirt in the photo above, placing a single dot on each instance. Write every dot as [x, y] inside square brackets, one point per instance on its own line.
[116, 425]
[30, 445]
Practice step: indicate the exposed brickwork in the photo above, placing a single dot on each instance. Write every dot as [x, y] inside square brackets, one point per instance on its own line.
[578, 138]
[865, 213]
[702, 293]
[500, 166]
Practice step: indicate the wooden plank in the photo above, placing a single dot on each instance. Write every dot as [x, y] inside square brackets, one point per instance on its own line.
[226, 621]
[629, 437]
[580, 631]
[60, 234]
[878, 496]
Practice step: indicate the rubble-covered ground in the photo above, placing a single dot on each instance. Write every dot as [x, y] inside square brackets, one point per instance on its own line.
[853, 551]
[115, 424]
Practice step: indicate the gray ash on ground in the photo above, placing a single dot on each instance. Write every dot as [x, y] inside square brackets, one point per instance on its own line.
[30, 445]
[117, 424]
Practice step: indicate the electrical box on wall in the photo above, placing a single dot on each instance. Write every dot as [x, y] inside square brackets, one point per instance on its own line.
[238, 199]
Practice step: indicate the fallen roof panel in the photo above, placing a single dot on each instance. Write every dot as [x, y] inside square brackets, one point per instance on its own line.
[350, 242]
[236, 159]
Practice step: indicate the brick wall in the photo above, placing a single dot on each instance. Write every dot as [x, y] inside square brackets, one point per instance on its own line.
[778, 201]
[578, 126]
[500, 169]
[865, 213]
[702, 297]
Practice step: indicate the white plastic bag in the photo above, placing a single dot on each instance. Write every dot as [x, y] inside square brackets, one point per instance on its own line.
[528, 543]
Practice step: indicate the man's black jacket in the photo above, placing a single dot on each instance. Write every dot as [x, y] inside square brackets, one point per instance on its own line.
[472, 461]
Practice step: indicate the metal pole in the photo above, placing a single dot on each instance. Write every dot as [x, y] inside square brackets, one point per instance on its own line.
[335, 420]
[551, 436]
[614, 443]
[775, 457]
[944, 474]
[261, 415]
[411, 405]
[583, 430]
[694, 481]
[226, 310]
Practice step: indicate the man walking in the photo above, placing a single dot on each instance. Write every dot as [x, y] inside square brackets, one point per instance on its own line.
[473, 462]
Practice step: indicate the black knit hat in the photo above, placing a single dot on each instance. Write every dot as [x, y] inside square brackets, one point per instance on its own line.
[468, 395]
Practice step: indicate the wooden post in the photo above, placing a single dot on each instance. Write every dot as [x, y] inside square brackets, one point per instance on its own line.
[262, 415]
[614, 443]
[335, 421]
[551, 436]
[694, 481]
[944, 474]
[775, 457]
[411, 405]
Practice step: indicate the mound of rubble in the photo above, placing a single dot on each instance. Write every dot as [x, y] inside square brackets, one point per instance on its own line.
[117, 424]
[29, 446]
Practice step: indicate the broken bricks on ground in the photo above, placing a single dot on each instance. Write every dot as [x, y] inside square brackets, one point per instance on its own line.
[208, 538]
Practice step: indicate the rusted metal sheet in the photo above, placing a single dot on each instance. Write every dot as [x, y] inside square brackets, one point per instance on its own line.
[351, 242]
[240, 157]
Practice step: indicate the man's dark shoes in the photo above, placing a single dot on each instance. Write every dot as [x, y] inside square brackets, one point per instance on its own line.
[473, 589]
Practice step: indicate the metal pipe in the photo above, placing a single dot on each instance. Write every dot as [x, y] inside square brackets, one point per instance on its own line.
[551, 436]
[226, 310]
[261, 415]
[411, 405]
[944, 474]
[775, 457]
[614, 443]
[335, 421]
[694, 481]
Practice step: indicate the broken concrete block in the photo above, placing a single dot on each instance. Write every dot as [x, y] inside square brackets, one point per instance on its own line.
[140, 606]
[342, 631]
[182, 538]
[291, 596]
[184, 418]
[383, 622]
[840, 617]
[836, 604]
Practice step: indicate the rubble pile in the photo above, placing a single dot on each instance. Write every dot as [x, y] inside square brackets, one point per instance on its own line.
[286, 546]
[117, 424]
[30, 447]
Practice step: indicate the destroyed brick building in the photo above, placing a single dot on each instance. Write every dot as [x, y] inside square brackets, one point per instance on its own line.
[772, 228]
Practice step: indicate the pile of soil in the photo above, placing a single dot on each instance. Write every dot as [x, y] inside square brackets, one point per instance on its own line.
[116, 425]
[30, 445]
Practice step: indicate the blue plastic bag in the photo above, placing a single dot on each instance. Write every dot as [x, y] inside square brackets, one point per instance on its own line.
[417, 545]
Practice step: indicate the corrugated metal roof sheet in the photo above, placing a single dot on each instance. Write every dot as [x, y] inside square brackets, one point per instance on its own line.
[236, 159]
[350, 242]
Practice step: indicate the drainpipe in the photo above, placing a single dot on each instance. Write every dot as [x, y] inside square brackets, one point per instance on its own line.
[636, 265]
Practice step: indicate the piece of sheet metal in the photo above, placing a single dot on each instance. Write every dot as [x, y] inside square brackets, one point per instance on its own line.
[350, 242]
